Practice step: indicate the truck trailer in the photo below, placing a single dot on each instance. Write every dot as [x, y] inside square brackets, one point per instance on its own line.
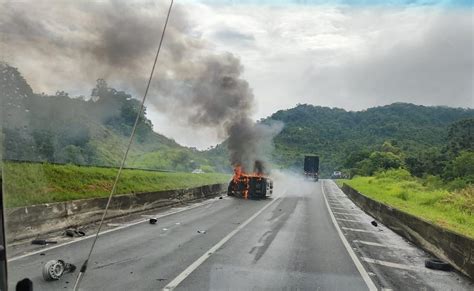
[311, 167]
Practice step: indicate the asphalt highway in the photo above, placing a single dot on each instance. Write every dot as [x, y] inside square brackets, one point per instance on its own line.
[308, 236]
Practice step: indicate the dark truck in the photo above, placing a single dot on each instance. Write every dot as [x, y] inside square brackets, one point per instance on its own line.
[311, 167]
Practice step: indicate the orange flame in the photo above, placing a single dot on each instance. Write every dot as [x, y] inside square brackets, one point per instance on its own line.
[243, 178]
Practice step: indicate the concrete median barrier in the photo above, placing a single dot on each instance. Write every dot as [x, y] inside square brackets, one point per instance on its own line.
[30, 221]
[452, 247]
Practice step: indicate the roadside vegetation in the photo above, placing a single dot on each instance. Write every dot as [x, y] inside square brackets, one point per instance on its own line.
[450, 166]
[29, 184]
[436, 184]
[426, 198]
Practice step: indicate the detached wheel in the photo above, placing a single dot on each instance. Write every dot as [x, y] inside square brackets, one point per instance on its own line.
[436, 264]
[53, 270]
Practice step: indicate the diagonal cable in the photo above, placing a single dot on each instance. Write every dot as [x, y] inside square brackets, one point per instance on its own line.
[114, 187]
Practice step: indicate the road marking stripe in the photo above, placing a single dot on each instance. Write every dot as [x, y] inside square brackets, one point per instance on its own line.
[358, 229]
[181, 209]
[369, 243]
[350, 220]
[400, 266]
[363, 273]
[344, 213]
[180, 278]
[340, 208]
[336, 204]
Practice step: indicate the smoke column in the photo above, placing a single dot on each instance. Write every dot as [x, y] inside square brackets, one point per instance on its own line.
[78, 42]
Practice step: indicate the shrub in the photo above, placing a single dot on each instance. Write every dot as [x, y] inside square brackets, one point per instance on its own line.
[403, 195]
[395, 174]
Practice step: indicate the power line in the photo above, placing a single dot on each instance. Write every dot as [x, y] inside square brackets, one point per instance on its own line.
[112, 192]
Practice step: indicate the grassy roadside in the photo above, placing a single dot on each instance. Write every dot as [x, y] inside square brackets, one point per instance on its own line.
[453, 210]
[29, 184]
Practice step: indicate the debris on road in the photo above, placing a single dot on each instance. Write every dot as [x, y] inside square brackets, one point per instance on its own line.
[74, 232]
[374, 223]
[55, 269]
[153, 220]
[165, 229]
[201, 231]
[43, 242]
[437, 264]
[220, 197]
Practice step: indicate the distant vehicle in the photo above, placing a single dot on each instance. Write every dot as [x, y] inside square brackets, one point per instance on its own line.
[311, 167]
[197, 171]
[336, 175]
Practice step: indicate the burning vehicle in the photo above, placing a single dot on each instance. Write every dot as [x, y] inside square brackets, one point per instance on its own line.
[254, 186]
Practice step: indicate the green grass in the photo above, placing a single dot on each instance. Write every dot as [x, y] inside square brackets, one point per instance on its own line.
[29, 184]
[450, 209]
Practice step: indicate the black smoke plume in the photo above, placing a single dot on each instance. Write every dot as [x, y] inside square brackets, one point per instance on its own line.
[69, 44]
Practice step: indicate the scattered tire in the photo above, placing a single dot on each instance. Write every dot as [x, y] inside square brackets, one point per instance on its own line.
[436, 264]
[53, 270]
[153, 220]
[374, 223]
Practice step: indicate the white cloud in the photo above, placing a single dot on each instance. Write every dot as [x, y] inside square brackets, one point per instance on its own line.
[348, 57]
[329, 55]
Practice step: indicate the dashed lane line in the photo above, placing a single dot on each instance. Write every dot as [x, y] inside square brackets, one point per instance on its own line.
[363, 273]
[358, 230]
[180, 278]
[369, 243]
[350, 220]
[345, 213]
[400, 266]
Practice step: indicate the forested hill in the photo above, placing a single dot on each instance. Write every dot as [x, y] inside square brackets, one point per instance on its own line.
[95, 130]
[79, 130]
[336, 133]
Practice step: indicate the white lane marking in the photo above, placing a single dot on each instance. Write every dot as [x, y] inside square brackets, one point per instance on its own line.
[334, 201]
[357, 263]
[176, 281]
[341, 208]
[344, 213]
[369, 243]
[181, 209]
[400, 266]
[350, 220]
[358, 229]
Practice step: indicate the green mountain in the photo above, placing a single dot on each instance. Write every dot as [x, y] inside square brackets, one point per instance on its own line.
[334, 134]
[62, 129]
[95, 131]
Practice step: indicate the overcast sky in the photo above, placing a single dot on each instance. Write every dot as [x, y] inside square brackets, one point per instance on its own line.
[326, 53]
